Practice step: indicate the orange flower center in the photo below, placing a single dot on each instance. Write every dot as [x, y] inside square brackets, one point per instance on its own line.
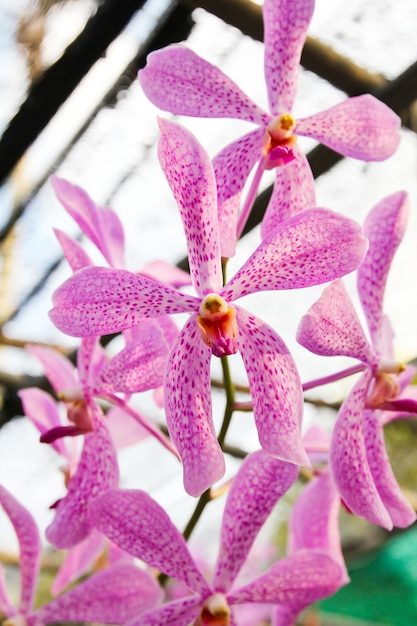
[218, 327]
[279, 141]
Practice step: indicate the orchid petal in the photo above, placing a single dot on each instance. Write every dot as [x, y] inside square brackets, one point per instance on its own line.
[299, 580]
[285, 30]
[232, 167]
[361, 127]
[75, 254]
[145, 531]
[190, 175]
[91, 358]
[140, 366]
[177, 80]
[124, 430]
[6, 605]
[182, 612]
[384, 226]
[78, 561]
[293, 191]
[348, 458]
[60, 372]
[188, 410]
[101, 301]
[331, 327]
[257, 487]
[101, 226]
[401, 512]
[312, 247]
[112, 596]
[166, 273]
[275, 388]
[29, 546]
[96, 473]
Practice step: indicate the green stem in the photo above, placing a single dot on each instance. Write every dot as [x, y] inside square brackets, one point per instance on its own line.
[203, 500]
[230, 400]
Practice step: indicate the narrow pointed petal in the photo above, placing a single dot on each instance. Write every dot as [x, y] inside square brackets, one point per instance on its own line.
[294, 191]
[401, 512]
[188, 410]
[232, 167]
[78, 561]
[140, 366]
[91, 358]
[145, 531]
[60, 372]
[259, 484]
[182, 612]
[177, 80]
[101, 226]
[384, 226]
[285, 30]
[124, 430]
[29, 547]
[312, 247]
[362, 127]
[190, 175]
[300, 579]
[348, 458]
[75, 254]
[96, 473]
[112, 596]
[331, 327]
[275, 388]
[100, 301]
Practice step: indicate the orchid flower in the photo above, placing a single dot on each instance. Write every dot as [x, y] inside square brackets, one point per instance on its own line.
[177, 80]
[311, 248]
[112, 596]
[358, 458]
[146, 531]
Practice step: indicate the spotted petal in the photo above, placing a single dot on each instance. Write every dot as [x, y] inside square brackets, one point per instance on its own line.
[360, 127]
[75, 254]
[257, 487]
[100, 301]
[275, 388]
[176, 79]
[188, 410]
[285, 29]
[179, 613]
[78, 561]
[312, 247]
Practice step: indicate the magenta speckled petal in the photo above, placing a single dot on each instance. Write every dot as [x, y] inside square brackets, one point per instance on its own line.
[348, 458]
[78, 561]
[29, 546]
[112, 596]
[300, 579]
[145, 531]
[75, 254]
[275, 388]
[177, 80]
[401, 512]
[188, 410]
[257, 487]
[6, 605]
[361, 127]
[190, 175]
[96, 473]
[285, 29]
[331, 326]
[312, 247]
[91, 358]
[232, 167]
[140, 366]
[124, 430]
[102, 226]
[182, 612]
[294, 190]
[59, 370]
[384, 226]
[100, 301]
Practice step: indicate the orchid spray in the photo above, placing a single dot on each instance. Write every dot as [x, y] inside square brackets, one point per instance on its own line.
[140, 568]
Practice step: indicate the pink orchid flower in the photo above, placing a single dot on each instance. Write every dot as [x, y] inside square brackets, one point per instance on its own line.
[358, 457]
[311, 248]
[177, 80]
[112, 596]
[148, 533]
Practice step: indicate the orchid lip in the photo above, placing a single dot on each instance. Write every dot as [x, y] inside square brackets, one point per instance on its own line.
[218, 326]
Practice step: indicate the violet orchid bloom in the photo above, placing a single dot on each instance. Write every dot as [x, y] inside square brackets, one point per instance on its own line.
[146, 531]
[311, 248]
[177, 80]
[358, 457]
[112, 596]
